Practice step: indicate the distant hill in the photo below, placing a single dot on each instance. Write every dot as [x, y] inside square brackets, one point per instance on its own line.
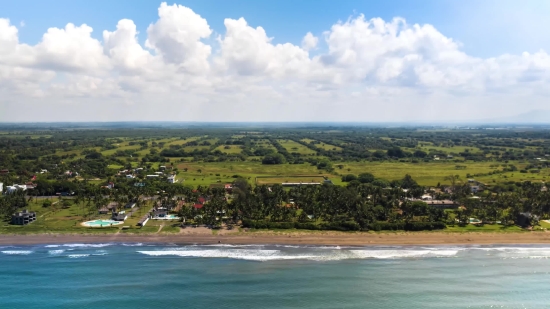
[534, 116]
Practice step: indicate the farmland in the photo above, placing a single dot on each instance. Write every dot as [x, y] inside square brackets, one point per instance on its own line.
[204, 156]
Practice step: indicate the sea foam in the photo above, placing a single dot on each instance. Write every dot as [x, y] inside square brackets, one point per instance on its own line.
[309, 254]
[17, 252]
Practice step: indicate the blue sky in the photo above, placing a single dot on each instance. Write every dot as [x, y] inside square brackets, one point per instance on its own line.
[485, 28]
[442, 61]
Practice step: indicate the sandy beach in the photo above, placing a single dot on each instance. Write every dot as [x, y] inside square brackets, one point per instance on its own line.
[294, 238]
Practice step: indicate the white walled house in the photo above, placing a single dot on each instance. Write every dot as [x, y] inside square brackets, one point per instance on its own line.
[172, 179]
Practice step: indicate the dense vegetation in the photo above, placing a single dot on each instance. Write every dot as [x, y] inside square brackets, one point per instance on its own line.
[375, 172]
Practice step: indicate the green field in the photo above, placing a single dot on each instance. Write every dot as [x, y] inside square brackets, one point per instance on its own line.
[292, 146]
[322, 145]
[288, 179]
[229, 148]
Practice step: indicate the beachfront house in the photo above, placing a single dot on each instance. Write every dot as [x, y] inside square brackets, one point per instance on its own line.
[160, 213]
[143, 220]
[23, 217]
[172, 179]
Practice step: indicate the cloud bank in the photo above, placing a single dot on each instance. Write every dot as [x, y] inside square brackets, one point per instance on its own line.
[357, 70]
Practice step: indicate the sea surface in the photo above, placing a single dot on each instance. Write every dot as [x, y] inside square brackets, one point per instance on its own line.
[123, 276]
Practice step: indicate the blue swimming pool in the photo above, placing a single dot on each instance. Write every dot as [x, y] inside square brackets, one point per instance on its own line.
[101, 223]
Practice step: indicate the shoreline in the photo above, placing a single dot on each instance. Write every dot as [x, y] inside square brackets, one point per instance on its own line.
[274, 238]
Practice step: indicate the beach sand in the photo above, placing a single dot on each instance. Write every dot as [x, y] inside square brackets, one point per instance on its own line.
[294, 238]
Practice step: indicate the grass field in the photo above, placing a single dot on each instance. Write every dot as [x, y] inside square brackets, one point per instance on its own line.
[263, 143]
[286, 179]
[292, 146]
[248, 170]
[232, 149]
[433, 172]
[322, 145]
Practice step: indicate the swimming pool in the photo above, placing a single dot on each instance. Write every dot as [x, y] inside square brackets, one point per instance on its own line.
[101, 223]
[167, 217]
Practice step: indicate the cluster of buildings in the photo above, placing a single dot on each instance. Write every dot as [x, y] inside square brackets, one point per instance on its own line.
[23, 217]
[131, 174]
[15, 187]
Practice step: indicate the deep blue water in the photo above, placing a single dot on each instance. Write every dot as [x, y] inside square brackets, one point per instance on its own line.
[171, 276]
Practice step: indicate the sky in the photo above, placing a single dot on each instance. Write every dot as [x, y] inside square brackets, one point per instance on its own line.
[260, 61]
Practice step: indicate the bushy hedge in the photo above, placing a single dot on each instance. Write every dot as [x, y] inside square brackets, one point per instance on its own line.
[411, 226]
[345, 226]
[336, 226]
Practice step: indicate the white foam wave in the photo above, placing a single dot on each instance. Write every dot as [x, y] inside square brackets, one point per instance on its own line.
[133, 245]
[76, 256]
[55, 252]
[517, 252]
[17, 252]
[52, 246]
[316, 255]
[86, 245]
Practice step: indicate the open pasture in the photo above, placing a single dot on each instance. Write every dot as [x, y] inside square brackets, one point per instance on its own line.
[292, 146]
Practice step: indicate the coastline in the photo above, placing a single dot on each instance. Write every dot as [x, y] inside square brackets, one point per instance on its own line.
[272, 238]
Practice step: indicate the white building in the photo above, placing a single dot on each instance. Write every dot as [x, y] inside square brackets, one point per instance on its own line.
[172, 179]
[152, 176]
[13, 188]
[130, 176]
[1, 188]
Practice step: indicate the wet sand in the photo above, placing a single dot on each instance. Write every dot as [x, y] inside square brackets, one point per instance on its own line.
[292, 238]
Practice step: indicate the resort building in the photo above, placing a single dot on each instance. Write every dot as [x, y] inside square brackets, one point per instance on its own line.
[130, 205]
[160, 213]
[23, 217]
[13, 188]
[172, 179]
[1, 188]
[152, 176]
[143, 220]
[119, 216]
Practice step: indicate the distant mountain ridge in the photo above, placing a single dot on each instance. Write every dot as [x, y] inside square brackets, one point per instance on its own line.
[535, 116]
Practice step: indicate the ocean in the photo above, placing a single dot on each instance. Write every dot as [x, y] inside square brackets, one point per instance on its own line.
[111, 275]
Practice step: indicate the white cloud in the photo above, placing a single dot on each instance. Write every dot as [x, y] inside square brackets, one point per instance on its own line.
[177, 37]
[309, 41]
[370, 70]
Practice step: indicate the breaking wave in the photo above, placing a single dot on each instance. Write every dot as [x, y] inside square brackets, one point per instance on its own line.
[76, 256]
[79, 245]
[55, 252]
[17, 252]
[315, 255]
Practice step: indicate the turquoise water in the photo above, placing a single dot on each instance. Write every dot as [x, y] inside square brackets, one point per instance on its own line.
[172, 276]
[97, 223]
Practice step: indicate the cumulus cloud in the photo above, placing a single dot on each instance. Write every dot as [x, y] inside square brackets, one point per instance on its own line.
[362, 70]
[309, 41]
[177, 37]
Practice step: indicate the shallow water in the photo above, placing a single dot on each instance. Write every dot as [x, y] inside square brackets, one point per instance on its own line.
[224, 276]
